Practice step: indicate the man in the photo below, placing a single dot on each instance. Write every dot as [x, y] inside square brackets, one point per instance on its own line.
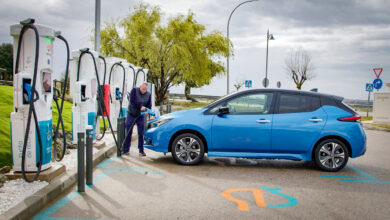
[140, 99]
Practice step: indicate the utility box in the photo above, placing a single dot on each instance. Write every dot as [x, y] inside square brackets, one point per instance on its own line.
[381, 108]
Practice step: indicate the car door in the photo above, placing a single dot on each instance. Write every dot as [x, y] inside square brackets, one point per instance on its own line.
[297, 122]
[247, 126]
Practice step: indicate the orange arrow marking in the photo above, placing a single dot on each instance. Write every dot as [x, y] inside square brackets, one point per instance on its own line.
[243, 205]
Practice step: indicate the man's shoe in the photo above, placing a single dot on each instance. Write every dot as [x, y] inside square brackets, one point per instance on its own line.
[126, 153]
[142, 154]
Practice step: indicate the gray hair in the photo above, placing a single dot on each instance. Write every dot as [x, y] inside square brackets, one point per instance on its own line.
[144, 83]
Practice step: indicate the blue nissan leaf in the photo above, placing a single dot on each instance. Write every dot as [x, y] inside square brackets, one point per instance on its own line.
[263, 123]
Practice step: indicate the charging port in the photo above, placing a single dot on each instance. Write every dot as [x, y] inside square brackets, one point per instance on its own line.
[83, 96]
[26, 91]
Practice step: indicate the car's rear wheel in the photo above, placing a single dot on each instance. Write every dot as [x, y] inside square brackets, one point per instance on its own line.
[331, 155]
[187, 149]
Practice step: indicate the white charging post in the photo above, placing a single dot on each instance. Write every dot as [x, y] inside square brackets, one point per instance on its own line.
[22, 90]
[115, 79]
[84, 93]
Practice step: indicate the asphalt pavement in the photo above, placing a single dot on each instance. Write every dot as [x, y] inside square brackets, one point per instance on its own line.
[155, 187]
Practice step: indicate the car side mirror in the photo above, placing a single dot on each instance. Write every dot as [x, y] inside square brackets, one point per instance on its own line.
[223, 110]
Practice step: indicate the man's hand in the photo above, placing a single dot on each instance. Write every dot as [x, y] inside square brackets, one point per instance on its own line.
[143, 108]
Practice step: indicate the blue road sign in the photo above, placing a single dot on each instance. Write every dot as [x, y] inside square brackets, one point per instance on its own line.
[378, 83]
[248, 83]
[369, 87]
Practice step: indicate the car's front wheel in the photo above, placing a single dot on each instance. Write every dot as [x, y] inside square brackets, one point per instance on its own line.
[187, 149]
[331, 155]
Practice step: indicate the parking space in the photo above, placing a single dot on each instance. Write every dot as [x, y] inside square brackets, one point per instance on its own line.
[155, 187]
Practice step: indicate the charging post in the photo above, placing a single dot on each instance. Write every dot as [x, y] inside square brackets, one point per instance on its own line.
[89, 156]
[120, 133]
[80, 162]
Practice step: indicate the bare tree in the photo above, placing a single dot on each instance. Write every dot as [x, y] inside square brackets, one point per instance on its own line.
[299, 67]
[238, 85]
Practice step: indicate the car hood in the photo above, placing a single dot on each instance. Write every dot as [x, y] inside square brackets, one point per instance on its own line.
[188, 113]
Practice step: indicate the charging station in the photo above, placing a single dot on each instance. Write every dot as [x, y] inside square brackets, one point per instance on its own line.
[83, 89]
[117, 88]
[130, 76]
[26, 64]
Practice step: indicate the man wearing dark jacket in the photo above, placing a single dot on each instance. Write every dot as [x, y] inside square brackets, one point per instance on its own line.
[140, 99]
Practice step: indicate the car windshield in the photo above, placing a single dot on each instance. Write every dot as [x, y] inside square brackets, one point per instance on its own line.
[222, 97]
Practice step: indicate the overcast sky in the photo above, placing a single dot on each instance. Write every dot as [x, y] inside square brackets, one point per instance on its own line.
[346, 39]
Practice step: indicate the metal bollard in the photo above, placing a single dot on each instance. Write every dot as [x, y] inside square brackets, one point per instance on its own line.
[89, 152]
[161, 108]
[80, 162]
[169, 107]
[121, 134]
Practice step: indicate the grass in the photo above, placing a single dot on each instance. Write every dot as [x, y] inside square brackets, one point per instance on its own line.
[384, 126]
[365, 118]
[189, 105]
[6, 107]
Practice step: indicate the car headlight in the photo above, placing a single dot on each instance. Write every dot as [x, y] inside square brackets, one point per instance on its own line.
[158, 123]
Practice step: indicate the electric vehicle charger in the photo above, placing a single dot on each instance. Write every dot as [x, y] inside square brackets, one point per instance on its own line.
[31, 99]
[102, 101]
[100, 92]
[118, 93]
[85, 95]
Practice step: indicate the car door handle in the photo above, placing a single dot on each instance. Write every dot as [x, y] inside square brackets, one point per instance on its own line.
[263, 121]
[315, 119]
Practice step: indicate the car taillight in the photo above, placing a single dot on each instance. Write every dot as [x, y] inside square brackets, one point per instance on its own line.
[354, 118]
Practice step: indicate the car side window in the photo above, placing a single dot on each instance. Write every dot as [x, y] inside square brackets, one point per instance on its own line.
[258, 103]
[292, 103]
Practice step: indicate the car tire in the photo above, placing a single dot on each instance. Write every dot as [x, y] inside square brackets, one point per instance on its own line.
[187, 149]
[331, 155]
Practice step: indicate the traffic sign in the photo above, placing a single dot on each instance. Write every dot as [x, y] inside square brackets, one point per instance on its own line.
[369, 87]
[248, 83]
[378, 72]
[378, 83]
[265, 82]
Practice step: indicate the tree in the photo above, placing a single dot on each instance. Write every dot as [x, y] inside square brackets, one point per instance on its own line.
[299, 67]
[6, 59]
[179, 52]
[238, 85]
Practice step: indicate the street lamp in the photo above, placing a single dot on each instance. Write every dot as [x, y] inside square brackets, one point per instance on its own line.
[227, 69]
[269, 37]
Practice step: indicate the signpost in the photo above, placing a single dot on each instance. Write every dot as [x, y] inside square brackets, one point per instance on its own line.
[377, 84]
[369, 89]
[248, 83]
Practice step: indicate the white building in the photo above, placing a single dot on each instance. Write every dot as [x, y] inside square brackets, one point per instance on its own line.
[381, 108]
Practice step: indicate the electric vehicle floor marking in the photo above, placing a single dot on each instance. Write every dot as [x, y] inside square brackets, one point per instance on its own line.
[259, 198]
[364, 178]
[46, 214]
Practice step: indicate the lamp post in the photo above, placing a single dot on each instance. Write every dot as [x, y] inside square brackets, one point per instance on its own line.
[269, 37]
[97, 25]
[227, 69]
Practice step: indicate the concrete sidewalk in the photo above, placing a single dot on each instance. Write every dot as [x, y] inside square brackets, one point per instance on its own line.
[33, 204]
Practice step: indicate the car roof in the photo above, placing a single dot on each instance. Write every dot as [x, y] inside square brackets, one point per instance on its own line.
[291, 91]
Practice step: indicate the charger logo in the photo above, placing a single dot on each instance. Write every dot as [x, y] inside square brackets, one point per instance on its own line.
[258, 196]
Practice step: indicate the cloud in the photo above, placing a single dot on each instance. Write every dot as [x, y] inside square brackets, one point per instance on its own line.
[346, 39]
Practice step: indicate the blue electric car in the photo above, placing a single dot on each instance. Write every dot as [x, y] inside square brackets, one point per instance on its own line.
[263, 123]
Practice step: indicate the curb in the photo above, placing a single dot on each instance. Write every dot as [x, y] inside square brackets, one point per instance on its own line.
[373, 127]
[36, 202]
